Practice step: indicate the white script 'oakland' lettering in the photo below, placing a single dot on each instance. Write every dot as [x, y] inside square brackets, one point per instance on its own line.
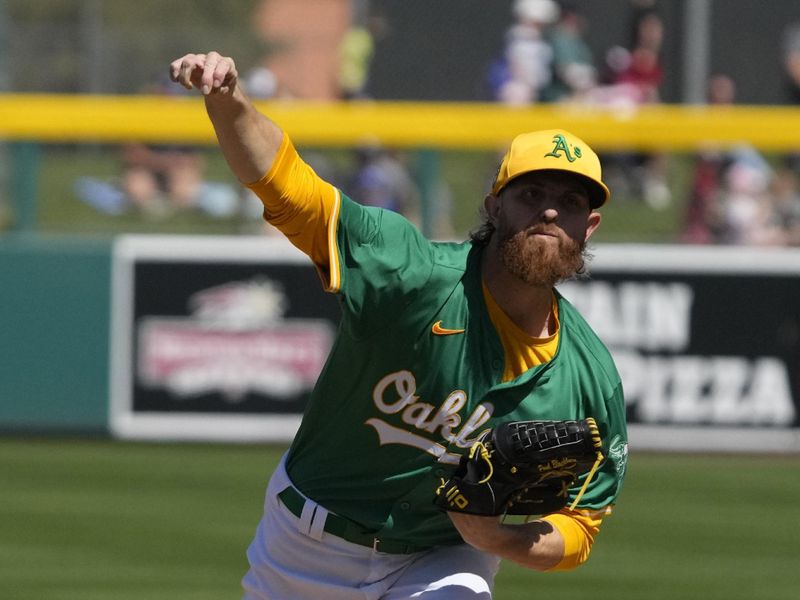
[396, 394]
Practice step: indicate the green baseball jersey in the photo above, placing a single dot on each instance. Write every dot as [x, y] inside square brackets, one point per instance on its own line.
[414, 376]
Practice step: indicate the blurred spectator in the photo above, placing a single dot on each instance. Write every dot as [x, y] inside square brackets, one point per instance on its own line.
[785, 216]
[632, 72]
[574, 73]
[645, 70]
[744, 205]
[356, 52]
[159, 180]
[736, 197]
[703, 215]
[643, 74]
[634, 76]
[647, 27]
[791, 62]
[355, 56]
[261, 83]
[526, 67]
[791, 74]
[703, 219]
[639, 65]
[381, 179]
[721, 90]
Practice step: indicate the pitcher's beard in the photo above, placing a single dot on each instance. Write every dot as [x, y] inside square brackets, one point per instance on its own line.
[537, 261]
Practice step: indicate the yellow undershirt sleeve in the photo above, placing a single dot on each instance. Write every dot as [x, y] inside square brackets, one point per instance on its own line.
[302, 206]
[579, 529]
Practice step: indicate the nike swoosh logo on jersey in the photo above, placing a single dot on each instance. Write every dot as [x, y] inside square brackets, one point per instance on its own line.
[437, 329]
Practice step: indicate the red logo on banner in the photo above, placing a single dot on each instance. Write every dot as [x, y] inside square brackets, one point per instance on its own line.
[237, 341]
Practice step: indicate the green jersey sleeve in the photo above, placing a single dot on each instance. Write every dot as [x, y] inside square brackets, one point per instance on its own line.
[606, 484]
[383, 262]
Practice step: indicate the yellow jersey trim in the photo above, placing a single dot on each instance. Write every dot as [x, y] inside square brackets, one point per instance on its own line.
[335, 276]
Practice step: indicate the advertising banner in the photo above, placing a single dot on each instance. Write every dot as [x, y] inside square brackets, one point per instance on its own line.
[215, 338]
[706, 339]
[223, 339]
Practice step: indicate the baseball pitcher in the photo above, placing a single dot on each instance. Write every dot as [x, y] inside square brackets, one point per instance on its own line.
[466, 413]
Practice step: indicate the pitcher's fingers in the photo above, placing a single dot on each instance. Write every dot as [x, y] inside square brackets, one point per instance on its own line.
[224, 76]
[175, 67]
[186, 68]
[207, 81]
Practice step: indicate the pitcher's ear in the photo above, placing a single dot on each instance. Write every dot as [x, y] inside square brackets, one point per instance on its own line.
[593, 222]
[491, 204]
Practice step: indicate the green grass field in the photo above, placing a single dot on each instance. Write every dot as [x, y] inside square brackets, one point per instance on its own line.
[95, 519]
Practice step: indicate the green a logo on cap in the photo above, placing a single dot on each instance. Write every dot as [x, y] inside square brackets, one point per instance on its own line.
[561, 146]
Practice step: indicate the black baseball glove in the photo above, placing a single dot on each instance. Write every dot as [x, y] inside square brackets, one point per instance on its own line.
[523, 468]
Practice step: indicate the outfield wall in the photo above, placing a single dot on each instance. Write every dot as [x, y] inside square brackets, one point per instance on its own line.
[221, 338]
[54, 354]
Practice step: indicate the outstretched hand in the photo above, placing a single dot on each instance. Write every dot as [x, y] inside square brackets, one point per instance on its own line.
[211, 73]
[249, 140]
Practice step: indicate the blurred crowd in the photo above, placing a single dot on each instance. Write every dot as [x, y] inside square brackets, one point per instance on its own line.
[161, 181]
[737, 196]
[547, 59]
[158, 181]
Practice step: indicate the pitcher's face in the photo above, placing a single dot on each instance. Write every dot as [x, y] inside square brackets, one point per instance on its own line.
[542, 221]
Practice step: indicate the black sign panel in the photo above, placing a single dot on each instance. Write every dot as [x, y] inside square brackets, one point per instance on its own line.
[219, 337]
[229, 338]
[699, 341]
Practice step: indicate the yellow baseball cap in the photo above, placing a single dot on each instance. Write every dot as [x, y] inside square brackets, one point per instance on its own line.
[554, 149]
